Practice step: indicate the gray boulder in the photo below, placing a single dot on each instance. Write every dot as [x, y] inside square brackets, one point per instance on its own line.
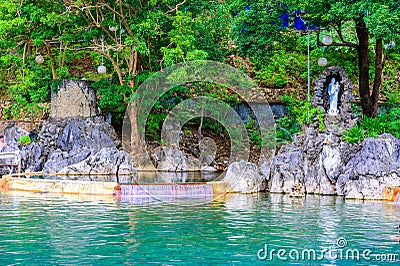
[245, 177]
[372, 168]
[60, 159]
[335, 167]
[108, 161]
[172, 159]
[12, 134]
[310, 163]
[66, 142]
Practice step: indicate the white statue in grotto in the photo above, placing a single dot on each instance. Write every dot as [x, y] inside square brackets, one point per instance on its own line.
[333, 91]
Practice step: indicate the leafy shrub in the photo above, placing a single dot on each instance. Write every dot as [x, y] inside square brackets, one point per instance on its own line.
[300, 113]
[113, 98]
[25, 140]
[354, 134]
[387, 122]
[374, 126]
[393, 126]
[253, 132]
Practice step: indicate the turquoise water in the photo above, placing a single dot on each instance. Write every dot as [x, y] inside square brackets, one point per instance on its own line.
[69, 230]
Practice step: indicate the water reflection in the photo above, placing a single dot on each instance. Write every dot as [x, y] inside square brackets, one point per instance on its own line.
[149, 177]
[144, 177]
[76, 229]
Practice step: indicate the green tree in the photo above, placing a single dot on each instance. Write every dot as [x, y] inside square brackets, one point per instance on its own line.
[369, 27]
[24, 25]
[133, 37]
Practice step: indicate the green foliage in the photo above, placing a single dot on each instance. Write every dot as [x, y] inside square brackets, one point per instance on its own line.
[374, 126]
[112, 97]
[393, 98]
[154, 123]
[299, 113]
[356, 109]
[386, 122]
[391, 116]
[255, 30]
[212, 124]
[198, 37]
[69, 37]
[259, 34]
[354, 134]
[393, 126]
[25, 140]
[253, 132]
[180, 93]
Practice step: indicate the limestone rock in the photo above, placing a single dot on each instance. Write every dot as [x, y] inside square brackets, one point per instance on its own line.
[372, 168]
[335, 167]
[106, 161]
[60, 159]
[245, 177]
[310, 162]
[12, 134]
[173, 159]
[286, 171]
[64, 142]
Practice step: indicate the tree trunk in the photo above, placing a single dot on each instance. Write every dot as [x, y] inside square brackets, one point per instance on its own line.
[363, 67]
[379, 64]
[137, 143]
[369, 100]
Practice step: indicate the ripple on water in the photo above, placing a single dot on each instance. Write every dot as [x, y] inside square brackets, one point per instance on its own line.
[49, 229]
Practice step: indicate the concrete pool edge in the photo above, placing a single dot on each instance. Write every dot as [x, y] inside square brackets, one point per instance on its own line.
[15, 183]
[12, 183]
[57, 186]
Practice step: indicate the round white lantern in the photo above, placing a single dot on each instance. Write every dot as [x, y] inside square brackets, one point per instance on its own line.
[322, 61]
[327, 40]
[39, 59]
[113, 28]
[101, 69]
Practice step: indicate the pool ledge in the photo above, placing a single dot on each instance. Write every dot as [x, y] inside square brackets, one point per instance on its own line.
[57, 186]
[10, 182]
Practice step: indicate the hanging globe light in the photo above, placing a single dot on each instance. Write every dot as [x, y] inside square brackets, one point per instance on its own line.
[327, 40]
[39, 59]
[101, 69]
[322, 61]
[113, 28]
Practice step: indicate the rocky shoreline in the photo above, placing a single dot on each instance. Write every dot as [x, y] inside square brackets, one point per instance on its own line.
[315, 163]
[327, 165]
[71, 146]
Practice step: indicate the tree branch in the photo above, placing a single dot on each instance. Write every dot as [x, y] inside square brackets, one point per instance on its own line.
[346, 44]
[339, 32]
[176, 7]
[121, 16]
